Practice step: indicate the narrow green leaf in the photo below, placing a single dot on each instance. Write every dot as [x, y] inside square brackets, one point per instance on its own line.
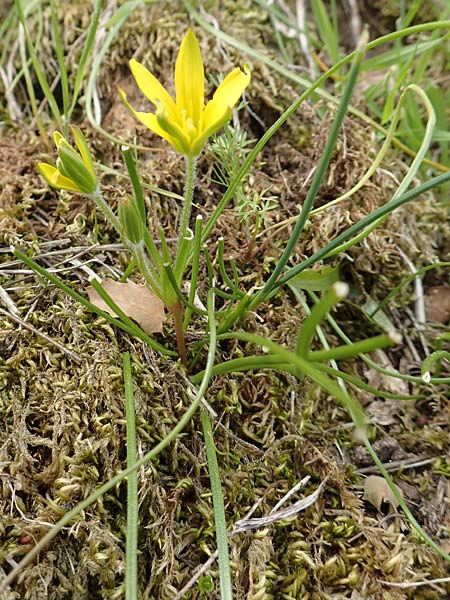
[316, 280]
[131, 587]
[328, 33]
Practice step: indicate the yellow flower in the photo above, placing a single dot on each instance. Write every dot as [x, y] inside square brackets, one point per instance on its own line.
[74, 170]
[187, 123]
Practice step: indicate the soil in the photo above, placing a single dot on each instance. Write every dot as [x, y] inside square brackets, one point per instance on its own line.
[62, 407]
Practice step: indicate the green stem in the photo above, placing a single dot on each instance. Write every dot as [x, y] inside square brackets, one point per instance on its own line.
[194, 271]
[355, 348]
[146, 268]
[176, 310]
[337, 292]
[135, 181]
[106, 210]
[188, 195]
[434, 360]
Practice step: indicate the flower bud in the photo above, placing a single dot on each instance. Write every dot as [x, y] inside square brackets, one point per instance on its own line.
[72, 166]
[131, 220]
[74, 169]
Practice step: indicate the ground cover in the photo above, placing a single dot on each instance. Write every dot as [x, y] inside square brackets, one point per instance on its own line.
[64, 424]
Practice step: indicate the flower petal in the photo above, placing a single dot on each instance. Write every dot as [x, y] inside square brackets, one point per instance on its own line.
[225, 97]
[54, 178]
[190, 78]
[83, 148]
[151, 122]
[151, 88]
[198, 143]
[179, 135]
[58, 137]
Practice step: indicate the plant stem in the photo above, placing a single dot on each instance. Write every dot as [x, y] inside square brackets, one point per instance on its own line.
[337, 292]
[188, 195]
[194, 271]
[176, 310]
[146, 268]
[106, 210]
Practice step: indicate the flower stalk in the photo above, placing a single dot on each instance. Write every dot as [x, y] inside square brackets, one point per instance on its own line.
[188, 196]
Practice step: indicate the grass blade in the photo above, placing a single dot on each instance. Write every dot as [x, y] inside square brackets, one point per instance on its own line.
[37, 67]
[318, 176]
[132, 484]
[61, 64]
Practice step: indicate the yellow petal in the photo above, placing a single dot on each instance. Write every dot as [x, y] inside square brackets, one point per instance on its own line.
[150, 121]
[57, 137]
[61, 142]
[198, 143]
[190, 77]
[225, 97]
[179, 135]
[54, 178]
[151, 88]
[83, 148]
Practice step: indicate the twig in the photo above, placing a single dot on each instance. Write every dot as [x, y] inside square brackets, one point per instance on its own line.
[247, 523]
[418, 289]
[413, 584]
[8, 302]
[410, 463]
[290, 511]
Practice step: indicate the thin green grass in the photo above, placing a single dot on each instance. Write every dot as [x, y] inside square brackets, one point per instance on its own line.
[131, 568]
[226, 588]
[70, 92]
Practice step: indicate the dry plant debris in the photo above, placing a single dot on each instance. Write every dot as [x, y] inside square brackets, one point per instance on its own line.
[136, 301]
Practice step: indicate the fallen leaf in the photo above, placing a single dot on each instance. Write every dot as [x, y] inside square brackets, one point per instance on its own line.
[437, 303]
[383, 412]
[377, 492]
[378, 380]
[136, 301]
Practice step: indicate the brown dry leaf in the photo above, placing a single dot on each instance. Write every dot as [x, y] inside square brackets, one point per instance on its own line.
[136, 301]
[377, 492]
[384, 412]
[385, 382]
[437, 303]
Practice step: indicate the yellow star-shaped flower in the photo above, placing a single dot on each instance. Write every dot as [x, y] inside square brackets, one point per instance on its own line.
[187, 123]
